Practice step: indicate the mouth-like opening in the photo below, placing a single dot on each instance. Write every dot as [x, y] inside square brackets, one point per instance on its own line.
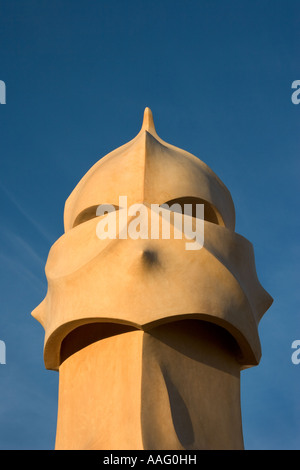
[84, 335]
[89, 333]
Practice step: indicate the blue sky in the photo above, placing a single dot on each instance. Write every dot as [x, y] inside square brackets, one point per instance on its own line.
[217, 76]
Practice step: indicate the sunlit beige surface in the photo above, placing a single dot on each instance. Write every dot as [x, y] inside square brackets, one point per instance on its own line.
[148, 337]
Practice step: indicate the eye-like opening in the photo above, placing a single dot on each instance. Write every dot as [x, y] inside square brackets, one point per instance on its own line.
[211, 214]
[92, 212]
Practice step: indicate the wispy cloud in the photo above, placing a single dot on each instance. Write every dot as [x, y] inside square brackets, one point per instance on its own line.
[23, 246]
[22, 258]
[18, 267]
[25, 213]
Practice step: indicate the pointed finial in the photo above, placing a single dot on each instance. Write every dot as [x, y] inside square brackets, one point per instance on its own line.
[148, 123]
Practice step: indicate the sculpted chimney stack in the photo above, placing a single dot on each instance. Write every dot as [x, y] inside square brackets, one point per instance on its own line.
[149, 337]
